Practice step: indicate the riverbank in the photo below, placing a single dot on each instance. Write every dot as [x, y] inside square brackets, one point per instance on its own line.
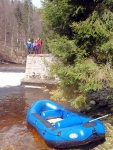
[100, 104]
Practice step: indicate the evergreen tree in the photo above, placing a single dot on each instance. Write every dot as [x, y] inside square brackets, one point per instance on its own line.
[81, 36]
[88, 23]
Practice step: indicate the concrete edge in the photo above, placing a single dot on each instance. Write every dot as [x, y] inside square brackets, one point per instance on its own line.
[39, 82]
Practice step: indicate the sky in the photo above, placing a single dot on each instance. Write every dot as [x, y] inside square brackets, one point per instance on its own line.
[37, 3]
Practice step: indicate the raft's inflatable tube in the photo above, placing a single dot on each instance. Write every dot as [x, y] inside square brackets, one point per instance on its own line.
[61, 128]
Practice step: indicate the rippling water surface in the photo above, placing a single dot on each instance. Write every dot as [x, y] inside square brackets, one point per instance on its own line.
[15, 100]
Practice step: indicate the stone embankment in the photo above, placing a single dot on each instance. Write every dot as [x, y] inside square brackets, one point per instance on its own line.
[38, 70]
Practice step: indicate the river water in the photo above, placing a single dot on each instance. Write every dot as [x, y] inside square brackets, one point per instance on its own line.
[15, 100]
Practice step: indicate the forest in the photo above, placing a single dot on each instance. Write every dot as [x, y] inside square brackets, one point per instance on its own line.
[19, 20]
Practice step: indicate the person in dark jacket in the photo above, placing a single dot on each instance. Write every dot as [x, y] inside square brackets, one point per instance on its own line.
[29, 46]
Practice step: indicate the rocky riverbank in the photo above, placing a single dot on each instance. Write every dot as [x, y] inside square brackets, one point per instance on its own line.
[100, 104]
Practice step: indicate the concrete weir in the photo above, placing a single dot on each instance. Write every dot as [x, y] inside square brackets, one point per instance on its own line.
[38, 70]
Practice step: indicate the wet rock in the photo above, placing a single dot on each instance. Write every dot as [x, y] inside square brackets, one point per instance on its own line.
[92, 102]
[103, 103]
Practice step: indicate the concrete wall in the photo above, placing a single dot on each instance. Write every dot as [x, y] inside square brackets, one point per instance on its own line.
[38, 69]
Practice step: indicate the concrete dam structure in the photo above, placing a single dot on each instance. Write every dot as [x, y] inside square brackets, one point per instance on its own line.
[38, 70]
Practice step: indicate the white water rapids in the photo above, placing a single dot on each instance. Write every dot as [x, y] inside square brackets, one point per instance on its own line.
[10, 79]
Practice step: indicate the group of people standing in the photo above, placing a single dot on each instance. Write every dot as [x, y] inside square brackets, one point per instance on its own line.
[34, 47]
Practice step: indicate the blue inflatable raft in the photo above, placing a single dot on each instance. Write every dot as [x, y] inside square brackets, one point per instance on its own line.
[61, 128]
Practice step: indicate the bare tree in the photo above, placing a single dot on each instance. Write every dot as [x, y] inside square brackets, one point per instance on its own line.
[18, 21]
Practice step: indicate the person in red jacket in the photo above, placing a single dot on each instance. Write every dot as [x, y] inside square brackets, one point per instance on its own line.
[39, 46]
